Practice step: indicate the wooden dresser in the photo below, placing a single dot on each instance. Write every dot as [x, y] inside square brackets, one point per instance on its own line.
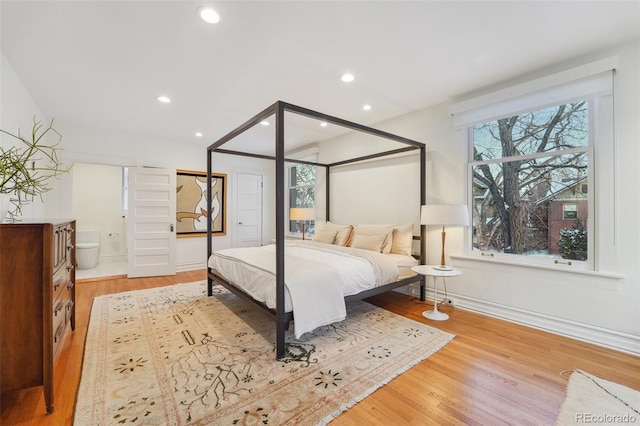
[37, 300]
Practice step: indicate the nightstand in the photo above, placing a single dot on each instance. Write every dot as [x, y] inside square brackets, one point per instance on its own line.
[429, 270]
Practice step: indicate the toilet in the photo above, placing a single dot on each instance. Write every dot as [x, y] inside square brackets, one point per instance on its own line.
[87, 247]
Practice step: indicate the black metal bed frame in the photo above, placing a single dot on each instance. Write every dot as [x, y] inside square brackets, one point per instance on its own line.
[278, 109]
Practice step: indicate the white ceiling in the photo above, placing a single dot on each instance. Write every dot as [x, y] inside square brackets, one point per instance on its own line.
[103, 63]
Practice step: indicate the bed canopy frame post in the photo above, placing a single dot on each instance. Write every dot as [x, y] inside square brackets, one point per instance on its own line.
[209, 223]
[280, 219]
[327, 192]
[423, 228]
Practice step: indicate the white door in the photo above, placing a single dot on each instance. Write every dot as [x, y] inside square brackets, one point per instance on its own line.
[249, 208]
[151, 238]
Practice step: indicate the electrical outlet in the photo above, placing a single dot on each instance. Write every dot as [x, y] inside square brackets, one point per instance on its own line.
[449, 302]
[413, 290]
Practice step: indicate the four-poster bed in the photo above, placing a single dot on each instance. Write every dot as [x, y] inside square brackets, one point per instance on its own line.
[281, 315]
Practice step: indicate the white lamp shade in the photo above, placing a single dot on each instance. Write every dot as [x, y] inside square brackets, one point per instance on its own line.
[445, 214]
[298, 213]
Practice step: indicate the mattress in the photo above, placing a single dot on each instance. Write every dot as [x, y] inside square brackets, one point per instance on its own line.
[356, 268]
[404, 264]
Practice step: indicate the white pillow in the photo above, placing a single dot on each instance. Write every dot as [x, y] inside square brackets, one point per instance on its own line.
[402, 239]
[325, 236]
[377, 230]
[369, 242]
[343, 232]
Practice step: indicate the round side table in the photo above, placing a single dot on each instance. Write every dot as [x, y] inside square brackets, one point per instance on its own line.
[429, 270]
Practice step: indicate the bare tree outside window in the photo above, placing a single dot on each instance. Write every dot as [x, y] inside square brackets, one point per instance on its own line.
[524, 168]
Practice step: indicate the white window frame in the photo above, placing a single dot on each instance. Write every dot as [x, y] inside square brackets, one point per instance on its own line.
[593, 82]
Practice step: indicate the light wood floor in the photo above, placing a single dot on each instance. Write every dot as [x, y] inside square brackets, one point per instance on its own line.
[493, 372]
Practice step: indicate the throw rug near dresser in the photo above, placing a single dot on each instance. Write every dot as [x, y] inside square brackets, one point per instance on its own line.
[172, 355]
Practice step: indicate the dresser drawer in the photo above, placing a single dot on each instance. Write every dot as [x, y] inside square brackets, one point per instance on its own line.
[62, 313]
[59, 322]
[68, 294]
[61, 279]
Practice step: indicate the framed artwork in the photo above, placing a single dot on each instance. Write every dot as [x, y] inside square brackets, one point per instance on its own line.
[191, 203]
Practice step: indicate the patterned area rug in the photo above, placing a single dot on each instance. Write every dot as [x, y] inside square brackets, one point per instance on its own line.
[594, 400]
[172, 355]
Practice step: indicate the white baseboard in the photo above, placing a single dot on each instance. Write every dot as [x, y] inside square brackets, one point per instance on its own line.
[183, 267]
[179, 268]
[584, 332]
[113, 259]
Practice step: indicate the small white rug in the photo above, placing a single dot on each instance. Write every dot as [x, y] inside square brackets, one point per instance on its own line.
[591, 400]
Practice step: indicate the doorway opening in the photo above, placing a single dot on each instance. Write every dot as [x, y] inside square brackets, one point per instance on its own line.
[97, 205]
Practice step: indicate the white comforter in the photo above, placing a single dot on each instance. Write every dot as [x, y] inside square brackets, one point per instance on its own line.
[317, 277]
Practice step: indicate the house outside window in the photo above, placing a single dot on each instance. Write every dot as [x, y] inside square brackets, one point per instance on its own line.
[301, 189]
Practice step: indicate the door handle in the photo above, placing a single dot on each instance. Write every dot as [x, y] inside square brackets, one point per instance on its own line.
[171, 227]
[239, 223]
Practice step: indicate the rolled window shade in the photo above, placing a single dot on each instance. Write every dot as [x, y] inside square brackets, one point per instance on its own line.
[584, 82]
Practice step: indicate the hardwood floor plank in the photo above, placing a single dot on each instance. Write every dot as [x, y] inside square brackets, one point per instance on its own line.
[493, 372]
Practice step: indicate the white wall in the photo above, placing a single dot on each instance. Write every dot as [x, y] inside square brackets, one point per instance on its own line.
[384, 191]
[594, 307]
[17, 112]
[17, 107]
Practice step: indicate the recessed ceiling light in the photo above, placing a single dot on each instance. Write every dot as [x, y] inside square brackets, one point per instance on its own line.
[347, 78]
[164, 99]
[264, 122]
[323, 124]
[208, 14]
[198, 134]
[366, 107]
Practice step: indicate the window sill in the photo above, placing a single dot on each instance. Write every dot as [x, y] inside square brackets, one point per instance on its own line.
[598, 279]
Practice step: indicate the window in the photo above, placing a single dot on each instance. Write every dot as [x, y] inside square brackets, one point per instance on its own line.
[301, 188]
[532, 151]
[524, 170]
[569, 211]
